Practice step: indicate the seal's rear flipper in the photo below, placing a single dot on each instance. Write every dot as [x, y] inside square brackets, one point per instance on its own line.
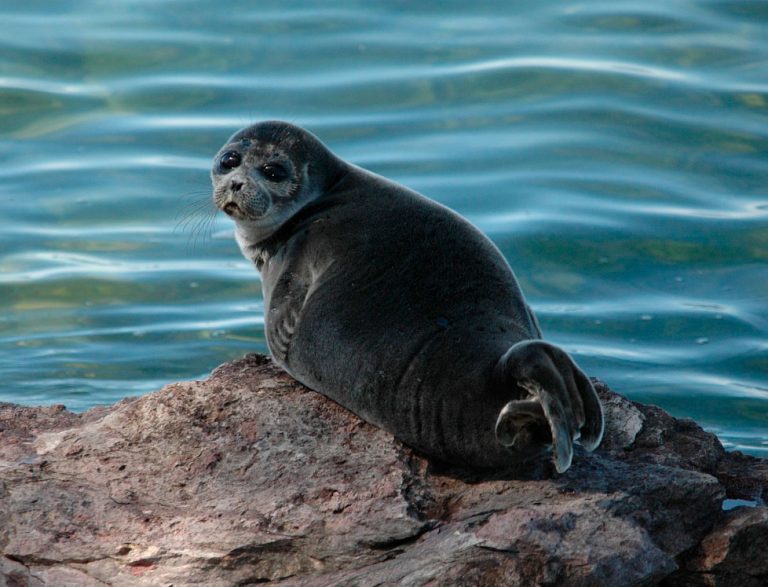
[560, 399]
[521, 425]
[592, 431]
[524, 425]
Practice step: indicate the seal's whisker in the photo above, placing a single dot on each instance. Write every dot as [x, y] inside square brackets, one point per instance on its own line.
[200, 202]
[198, 235]
[194, 207]
[190, 222]
[196, 217]
[193, 212]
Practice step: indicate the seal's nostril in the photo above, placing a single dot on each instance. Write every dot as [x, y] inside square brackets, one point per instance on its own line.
[236, 185]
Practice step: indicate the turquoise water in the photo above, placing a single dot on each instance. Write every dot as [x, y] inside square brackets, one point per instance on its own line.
[617, 152]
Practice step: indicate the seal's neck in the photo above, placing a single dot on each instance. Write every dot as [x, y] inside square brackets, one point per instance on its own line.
[259, 245]
[250, 246]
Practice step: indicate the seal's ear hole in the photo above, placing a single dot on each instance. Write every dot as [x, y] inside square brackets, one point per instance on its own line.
[275, 172]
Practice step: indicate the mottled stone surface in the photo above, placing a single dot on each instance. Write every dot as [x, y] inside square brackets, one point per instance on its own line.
[249, 477]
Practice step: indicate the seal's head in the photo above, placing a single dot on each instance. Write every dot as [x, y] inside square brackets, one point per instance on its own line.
[267, 172]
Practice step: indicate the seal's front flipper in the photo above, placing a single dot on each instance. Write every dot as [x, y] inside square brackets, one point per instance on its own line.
[557, 397]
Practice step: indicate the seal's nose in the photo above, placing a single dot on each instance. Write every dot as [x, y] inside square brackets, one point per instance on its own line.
[235, 185]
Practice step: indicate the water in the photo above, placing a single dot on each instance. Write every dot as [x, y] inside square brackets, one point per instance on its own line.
[615, 151]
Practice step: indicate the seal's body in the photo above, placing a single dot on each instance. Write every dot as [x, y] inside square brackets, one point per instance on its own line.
[397, 308]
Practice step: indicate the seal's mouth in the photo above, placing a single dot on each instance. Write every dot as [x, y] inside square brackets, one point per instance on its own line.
[233, 210]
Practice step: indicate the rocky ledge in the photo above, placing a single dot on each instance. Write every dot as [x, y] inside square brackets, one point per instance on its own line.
[248, 477]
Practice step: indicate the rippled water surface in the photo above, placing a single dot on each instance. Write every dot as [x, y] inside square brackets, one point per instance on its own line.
[617, 153]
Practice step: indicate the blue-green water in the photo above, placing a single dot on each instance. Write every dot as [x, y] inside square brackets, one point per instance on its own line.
[616, 151]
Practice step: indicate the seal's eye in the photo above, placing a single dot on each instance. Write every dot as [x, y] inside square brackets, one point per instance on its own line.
[274, 172]
[230, 160]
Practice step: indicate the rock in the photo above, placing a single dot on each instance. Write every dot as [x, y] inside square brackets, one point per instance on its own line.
[735, 553]
[248, 477]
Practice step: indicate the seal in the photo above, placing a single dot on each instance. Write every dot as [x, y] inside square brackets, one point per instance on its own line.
[398, 308]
